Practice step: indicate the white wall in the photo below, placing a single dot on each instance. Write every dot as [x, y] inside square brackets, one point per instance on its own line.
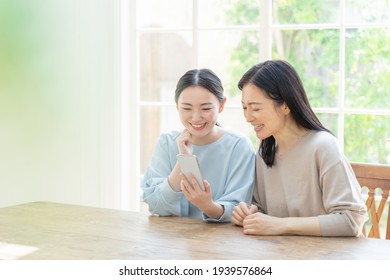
[61, 135]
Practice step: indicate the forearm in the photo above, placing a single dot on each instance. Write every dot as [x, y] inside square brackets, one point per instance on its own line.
[301, 226]
[161, 198]
[214, 210]
[174, 178]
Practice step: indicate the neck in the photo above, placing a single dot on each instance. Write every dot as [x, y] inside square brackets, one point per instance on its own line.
[290, 139]
[213, 136]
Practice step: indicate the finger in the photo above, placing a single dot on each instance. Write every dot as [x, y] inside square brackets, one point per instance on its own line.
[183, 188]
[249, 231]
[185, 132]
[238, 213]
[244, 208]
[185, 180]
[195, 183]
[253, 209]
[184, 184]
[188, 147]
[206, 185]
[187, 137]
[246, 226]
[251, 219]
[184, 142]
[236, 222]
[237, 219]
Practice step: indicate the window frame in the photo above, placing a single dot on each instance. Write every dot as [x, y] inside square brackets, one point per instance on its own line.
[266, 27]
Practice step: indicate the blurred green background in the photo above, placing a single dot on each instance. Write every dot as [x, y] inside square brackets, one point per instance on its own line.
[39, 99]
[363, 77]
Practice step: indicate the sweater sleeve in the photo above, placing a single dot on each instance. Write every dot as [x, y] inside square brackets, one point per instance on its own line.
[343, 201]
[239, 179]
[259, 198]
[157, 192]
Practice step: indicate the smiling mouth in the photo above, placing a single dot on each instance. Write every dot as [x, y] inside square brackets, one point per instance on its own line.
[198, 126]
[258, 126]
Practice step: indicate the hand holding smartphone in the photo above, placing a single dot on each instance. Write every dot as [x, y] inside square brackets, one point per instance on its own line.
[189, 164]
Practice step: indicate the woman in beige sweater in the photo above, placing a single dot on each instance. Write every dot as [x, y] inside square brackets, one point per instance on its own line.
[304, 184]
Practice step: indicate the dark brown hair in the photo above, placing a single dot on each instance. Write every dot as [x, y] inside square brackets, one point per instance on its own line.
[282, 84]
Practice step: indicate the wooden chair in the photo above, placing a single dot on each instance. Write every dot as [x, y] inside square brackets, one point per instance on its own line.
[374, 176]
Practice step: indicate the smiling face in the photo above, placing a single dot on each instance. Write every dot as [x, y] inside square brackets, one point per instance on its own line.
[260, 111]
[198, 111]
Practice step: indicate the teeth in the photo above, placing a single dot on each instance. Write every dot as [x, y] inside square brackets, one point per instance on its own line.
[197, 125]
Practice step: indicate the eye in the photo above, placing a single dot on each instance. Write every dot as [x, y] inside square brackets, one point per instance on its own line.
[206, 109]
[186, 108]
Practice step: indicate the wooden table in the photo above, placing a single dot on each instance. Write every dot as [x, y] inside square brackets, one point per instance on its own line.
[52, 231]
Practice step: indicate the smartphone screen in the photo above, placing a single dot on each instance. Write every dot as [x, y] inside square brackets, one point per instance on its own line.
[189, 164]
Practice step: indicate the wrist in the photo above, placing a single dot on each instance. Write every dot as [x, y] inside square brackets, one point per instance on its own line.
[214, 210]
[169, 181]
[285, 225]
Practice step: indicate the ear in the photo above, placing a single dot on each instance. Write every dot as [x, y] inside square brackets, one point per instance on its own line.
[222, 105]
[286, 110]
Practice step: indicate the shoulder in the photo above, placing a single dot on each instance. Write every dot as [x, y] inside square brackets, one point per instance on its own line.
[169, 136]
[235, 136]
[167, 140]
[237, 143]
[325, 147]
[322, 139]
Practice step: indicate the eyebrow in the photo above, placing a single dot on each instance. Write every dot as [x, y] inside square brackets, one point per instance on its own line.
[189, 104]
[252, 103]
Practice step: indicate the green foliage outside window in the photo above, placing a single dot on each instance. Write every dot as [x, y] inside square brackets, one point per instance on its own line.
[246, 53]
[316, 56]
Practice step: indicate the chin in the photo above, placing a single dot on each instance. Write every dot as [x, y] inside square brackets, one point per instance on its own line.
[200, 133]
[262, 137]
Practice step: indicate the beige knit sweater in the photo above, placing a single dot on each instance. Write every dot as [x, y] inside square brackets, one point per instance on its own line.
[312, 179]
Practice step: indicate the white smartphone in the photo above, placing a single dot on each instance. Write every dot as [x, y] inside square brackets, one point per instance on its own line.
[189, 164]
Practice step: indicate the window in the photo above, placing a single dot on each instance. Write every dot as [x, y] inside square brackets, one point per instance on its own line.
[340, 49]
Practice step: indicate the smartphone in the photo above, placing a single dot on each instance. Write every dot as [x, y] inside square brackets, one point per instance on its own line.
[189, 164]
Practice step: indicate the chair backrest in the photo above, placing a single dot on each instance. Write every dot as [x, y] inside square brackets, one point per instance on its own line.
[375, 176]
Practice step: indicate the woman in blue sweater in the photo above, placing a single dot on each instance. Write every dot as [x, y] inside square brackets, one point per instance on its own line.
[226, 158]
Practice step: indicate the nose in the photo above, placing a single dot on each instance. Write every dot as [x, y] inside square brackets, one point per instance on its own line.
[248, 116]
[196, 115]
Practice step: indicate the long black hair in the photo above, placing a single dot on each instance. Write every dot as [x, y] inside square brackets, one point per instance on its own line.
[282, 84]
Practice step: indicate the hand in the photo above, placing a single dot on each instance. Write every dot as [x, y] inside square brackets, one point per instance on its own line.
[201, 198]
[241, 211]
[198, 197]
[262, 224]
[184, 142]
